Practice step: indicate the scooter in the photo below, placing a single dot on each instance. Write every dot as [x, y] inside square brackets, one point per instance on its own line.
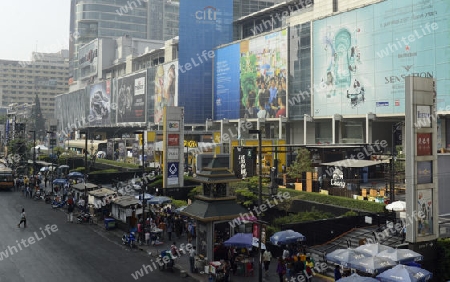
[85, 218]
[57, 205]
[129, 239]
[39, 195]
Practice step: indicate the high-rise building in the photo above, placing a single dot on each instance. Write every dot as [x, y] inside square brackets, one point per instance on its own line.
[45, 75]
[91, 19]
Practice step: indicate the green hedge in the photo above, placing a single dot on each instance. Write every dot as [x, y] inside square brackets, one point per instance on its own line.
[337, 201]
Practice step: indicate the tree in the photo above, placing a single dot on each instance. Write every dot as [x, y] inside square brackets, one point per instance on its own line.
[37, 119]
[301, 165]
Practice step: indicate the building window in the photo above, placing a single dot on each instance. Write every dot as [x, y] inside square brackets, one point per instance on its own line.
[335, 6]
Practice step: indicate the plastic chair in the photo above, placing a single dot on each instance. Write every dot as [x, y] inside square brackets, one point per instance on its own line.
[249, 269]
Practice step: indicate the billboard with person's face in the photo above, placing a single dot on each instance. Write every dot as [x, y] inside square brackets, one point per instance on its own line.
[131, 98]
[262, 88]
[166, 89]
[99, 104]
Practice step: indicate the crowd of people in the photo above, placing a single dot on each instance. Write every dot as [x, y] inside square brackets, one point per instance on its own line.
[269, 101]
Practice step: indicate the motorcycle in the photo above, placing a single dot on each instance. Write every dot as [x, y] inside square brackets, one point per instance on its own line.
[129, 239]
[85, 218]
[39, 195]
[57, 205]
[169, 261]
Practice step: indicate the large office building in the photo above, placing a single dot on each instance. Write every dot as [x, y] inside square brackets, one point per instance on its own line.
[92, 19]
[45, 75]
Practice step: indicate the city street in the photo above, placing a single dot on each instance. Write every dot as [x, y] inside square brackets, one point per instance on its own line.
[63, 251]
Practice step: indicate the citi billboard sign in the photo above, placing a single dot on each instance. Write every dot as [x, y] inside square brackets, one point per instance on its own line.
[208, 14]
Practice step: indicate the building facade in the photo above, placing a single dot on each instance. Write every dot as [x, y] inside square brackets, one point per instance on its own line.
[46, 75]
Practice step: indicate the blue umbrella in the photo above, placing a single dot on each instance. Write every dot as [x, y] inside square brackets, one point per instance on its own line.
[286, 237]
[75, 174]
[343, 256]
[240, 240]
[371, 264]
[60, 181]
[356, 278]
[401, 255]
[405, 273]
[372, 249]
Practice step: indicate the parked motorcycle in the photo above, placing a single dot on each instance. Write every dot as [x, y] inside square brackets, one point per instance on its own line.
[129, 239]
[85, 218]
[39, 195]
[57, 205]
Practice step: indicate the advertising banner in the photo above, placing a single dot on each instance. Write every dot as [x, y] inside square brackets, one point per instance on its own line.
[226, 92]
[362, 57]
[99, 104]
[166, 88]
[259, 86]
[131, 98]
[71, 110]
[263, 69]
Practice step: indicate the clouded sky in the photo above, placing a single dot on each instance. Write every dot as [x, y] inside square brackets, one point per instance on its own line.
[33, 25]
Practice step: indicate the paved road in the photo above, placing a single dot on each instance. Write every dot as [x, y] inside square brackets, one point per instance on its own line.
[68, 252]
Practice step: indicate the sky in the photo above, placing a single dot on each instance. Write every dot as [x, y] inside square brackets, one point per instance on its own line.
[33, 25]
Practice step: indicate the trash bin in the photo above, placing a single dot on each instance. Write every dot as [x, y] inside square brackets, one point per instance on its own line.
[110, 223]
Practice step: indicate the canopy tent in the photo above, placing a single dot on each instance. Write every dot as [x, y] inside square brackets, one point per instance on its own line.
[240, 240]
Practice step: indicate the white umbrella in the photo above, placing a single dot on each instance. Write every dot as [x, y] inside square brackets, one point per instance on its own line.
[396, 206]
[45, 168]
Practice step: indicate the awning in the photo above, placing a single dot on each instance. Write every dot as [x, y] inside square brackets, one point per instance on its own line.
[353, 163]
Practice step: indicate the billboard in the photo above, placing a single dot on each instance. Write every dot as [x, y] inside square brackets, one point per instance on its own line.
[166, 89]
[204, 25]
[264, 76]
[71, 110]
[226, 92]
[99, 104]
[131, 98]
[362, 57]
[88, 59]
[261, 90]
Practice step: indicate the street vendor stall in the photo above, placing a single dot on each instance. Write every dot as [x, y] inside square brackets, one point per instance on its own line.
[125, 209]
[101, 199]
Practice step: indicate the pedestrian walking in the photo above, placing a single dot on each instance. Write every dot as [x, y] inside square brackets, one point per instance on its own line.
[70, 208]
[267, 256]
[192, 254]
[23, 218]
[169, 230]
[281, 269]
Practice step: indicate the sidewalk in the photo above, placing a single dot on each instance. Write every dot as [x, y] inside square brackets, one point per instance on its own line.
[182, 263]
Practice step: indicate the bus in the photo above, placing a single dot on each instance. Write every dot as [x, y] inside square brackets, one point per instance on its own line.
[6, 178]
[93, 146]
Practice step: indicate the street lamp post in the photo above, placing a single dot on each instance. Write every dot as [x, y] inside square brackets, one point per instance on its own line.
[255, 131]
[52, 144]
[143, 173]
[393, 154]
[34, 151]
